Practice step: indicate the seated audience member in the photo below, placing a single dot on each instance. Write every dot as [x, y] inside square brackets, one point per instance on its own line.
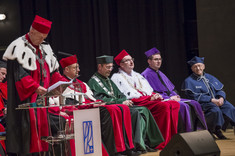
[190, 110]
[146, 134]
[136, 88]
[3, 103]
[116, 130]
[208, 91]
[3, 90]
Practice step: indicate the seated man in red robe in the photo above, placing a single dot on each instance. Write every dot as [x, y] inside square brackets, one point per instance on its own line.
[3, 88]
[136, 88]
[116, 130]
[3, 103]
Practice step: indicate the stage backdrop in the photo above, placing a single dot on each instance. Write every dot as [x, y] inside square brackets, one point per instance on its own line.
[89, 28]
[216, 38]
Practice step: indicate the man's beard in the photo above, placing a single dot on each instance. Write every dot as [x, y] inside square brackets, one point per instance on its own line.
[108, 74]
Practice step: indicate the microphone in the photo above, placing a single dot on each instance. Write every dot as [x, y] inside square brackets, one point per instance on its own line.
[63, 53]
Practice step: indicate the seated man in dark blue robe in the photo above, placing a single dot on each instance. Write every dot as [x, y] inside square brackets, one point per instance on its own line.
[208, 91]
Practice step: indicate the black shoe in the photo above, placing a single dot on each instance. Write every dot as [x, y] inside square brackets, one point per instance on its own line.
[219, 134]
[212, 134]
[118, 154]
[226, 123]
[138, 153]
[149, 149]
[143, 152]
[131, 153]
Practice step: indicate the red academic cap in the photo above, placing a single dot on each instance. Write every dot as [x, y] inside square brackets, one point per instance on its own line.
[41, 24]
[120, 56]
[64, 62]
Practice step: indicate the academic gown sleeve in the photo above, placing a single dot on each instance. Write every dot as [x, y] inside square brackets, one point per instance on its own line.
[3, 96]
[100, 93]
[120, 97]
[217, 86]
[195, 88]
[55, 77]
[25, 84]
[192, 92]
[3, 88]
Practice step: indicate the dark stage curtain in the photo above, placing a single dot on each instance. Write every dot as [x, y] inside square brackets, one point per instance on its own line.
[90, 28]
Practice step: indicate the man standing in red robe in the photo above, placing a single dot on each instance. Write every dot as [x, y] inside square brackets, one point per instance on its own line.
[136, 88]
[32, 68]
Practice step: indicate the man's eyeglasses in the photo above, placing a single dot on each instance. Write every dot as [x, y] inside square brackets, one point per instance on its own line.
[75, 67]
[128, 60]
[109, 67]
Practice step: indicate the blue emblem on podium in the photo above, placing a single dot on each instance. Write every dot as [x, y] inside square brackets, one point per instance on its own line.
[88, 137]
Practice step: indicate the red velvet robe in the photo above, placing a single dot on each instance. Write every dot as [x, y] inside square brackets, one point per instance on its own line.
[165, 115]
[2, 142]
[22, 83]
[3, 96]
[120, 115]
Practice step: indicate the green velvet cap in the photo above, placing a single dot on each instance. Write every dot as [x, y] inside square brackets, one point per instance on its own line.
[104, 59]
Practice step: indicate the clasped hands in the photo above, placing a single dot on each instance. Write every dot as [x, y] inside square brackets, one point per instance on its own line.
[218, 102]
[128, 103]
[175, 98]
[156, 97]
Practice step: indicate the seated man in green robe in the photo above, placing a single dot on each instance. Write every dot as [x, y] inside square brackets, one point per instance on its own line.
[147, 136]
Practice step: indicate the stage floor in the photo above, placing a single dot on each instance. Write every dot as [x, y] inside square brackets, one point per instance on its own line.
[227, 147]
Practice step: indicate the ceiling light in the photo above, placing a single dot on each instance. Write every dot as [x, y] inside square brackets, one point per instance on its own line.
[2, 17]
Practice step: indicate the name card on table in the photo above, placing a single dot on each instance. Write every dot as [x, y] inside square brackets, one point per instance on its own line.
[87, 132]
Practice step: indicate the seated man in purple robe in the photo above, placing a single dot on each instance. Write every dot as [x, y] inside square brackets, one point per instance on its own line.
[190, 110]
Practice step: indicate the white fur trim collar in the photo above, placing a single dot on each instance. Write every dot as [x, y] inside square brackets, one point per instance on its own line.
[24, 52]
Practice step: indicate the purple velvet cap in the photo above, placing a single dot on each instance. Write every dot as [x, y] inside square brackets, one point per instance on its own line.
[151, 52]
[195, 60]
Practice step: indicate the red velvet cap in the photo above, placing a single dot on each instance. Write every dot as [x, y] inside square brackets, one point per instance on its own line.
[41, 24]
[120, 56]
[64, 62]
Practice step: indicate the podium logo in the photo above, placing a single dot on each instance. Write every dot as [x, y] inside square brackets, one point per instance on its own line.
[88, 137]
